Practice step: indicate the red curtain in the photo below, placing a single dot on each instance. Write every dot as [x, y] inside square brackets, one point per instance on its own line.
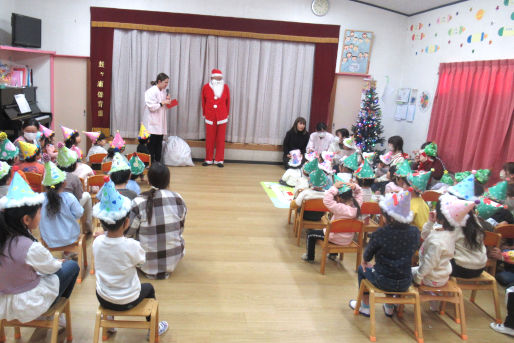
[473, 115]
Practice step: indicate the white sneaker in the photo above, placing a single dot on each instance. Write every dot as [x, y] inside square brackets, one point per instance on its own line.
[305, 258]
[163, 327]
[388, 310]
[364, 310]
[111, 331]
[62, 320]
[502, 329]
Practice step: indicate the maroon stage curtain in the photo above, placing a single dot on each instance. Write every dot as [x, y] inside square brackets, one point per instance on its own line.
[101, 51]
[473, 115]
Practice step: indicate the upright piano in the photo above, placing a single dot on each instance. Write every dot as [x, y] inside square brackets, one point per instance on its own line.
[11, 118]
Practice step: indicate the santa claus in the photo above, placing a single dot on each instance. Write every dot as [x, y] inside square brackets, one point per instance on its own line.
[215, 105]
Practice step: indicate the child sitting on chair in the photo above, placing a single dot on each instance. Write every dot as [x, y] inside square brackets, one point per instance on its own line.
[137, 167]
[47, 142]
[365, 178]
[293, 174]
[120, 175]
[98, 140]
[344, 201]
[30, 155]
[318, 181]
[392, 246]
[143, 138]
[72, 140]
[419, 181]
[116, 257]
[350, 164]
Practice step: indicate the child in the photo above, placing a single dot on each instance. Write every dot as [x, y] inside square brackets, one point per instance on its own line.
[342, 146]
[318, 180]
[47, 142]
[365, 178]
[303, 182]
[320, 140]
[344, 201]
[395, 144]
[443, 184]
[116, 257]
[143, 138]
[508, 325]
[505, 254]
[31, 280]
[9, 153]
[60, 211]
[158, 218]
[293, 174]
[137, 167]
[419, 181]
[383, 174]
[392, 246]
[426, 159]
[507, 172]
[67, 162]
[110, 155]
[5, 176]
[117, 145]
[350, 164]
[72, 140]
[120, 175]
[30, 154]
[398, 175]
[98, 140]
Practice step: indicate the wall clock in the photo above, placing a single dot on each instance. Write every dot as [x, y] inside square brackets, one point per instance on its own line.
[319, 7]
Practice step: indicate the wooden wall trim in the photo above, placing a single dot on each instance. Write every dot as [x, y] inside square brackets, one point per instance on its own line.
[236, 146]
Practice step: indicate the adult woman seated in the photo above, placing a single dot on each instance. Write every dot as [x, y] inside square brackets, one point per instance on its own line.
[296, 138]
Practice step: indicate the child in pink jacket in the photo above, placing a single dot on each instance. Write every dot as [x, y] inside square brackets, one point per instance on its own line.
[344, 201]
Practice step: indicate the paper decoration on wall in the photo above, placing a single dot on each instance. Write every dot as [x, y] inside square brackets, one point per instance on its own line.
[444, 19]
[418, 36]
[356, 52]
[477, 37]
[416, 27]
[402, 103]
[480, 14]
[411, 109]
[432, 48]
[506, 31]
[456, 30]
[424, 101]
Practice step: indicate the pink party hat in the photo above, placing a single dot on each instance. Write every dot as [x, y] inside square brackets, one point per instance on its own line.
[455, 210]
[46, 131]
[67, 132]
[117, 142]
[93, 136]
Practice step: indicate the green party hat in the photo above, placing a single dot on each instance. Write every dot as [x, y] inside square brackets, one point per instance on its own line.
[487, 207]
[419, 180]
[318, 178]
[365, 171]
[497, 192]
[447, 178]
[53, 175]
[344, 188]
[403, 169]
[65, 157]
[461, 176]
[8, 150]
[352, 161]
[311, 166]
[431, 150]
[119, 163]
[136, 165]
[482, 175]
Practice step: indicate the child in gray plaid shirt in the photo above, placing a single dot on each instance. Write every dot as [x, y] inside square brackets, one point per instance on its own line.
[157, 222]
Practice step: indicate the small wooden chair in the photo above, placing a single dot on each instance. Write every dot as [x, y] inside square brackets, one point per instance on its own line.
[411, 296]
[485, 281]
[448, 293]
[147, 307]
[341, 226]
[372, 209]
[35, 181]
[96, 159]
[506, 230]
[106, 167]
[78, 247]
[431, 196]
[95, 181]
[61, 306]
[314, 205]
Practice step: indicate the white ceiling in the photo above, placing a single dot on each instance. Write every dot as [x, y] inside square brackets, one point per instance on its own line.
[408, 7]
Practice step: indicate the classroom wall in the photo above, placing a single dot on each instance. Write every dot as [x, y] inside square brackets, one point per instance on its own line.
[420, 68]
[5, 21]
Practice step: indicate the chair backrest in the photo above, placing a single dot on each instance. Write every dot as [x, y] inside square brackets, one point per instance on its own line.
[83, 182]
[96, 158]
[344, 225]
[96, 180]
[492, 239]
[507, 230]
[429, 196]
[370, 208]
[145, 158]
[314, 205]
[106, 167]
[34, 180]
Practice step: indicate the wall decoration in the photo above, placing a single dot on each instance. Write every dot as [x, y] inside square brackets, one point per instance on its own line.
[418, 36]
[480, 14]
[444, 19]
[416, 27]
[356, 52]
[456, 30]
[424, 101]
[506, 31]
[432, 48]
[477, 37]
[411, 107]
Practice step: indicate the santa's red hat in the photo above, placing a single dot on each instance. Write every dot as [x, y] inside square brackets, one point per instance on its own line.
[216, 72]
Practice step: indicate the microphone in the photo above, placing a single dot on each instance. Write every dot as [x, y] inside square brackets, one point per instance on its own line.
[167, 92]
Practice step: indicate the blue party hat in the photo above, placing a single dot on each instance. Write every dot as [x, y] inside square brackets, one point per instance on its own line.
[113, 206]
[20, 194]
[464, 189]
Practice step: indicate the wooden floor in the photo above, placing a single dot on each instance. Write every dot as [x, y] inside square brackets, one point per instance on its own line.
[242, 279]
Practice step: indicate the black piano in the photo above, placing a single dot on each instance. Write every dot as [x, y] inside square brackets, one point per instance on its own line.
[11, 118]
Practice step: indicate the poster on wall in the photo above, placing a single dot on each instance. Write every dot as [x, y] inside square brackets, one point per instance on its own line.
[356, 52]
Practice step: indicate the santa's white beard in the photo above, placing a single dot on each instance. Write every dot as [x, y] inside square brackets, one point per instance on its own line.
[217, 87]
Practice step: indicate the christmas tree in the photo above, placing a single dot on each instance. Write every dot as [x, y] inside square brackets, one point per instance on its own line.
[368, 129]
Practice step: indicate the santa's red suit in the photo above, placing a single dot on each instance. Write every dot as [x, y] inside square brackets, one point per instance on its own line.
[215, 110]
